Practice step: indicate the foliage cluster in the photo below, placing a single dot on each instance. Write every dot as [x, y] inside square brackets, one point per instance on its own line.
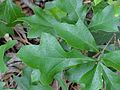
[73, 56]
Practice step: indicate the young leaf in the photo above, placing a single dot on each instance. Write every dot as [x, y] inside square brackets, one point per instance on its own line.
[76, 35]
[112, 59]
[112, 80]
[92, 80]
[49, 58]
[3, 48]
[10, 11]
[104, 21]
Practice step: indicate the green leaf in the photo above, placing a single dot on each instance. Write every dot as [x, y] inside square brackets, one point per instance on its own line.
[104, 21]
[73, 34]
[10, 11]
[76, 35]
[92, 80]
[97, 1]
[42, 21]
[112, 59]
[74, 10]
[49, 58]
[112, 81]
[5, 29]
[75, 73]
[3, 48]
[24, 82]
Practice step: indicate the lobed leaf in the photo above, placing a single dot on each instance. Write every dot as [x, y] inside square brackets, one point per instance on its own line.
[49, 58]
[76, 35]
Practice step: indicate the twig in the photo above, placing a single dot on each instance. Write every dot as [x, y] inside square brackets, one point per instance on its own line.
[101, 53]
[13, 80]
[119, 42]
[23, 40]
[96, 55]
[55, 85]
[87, 1]
[115, 41]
